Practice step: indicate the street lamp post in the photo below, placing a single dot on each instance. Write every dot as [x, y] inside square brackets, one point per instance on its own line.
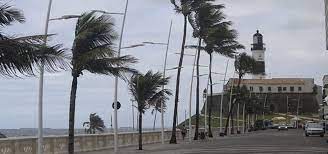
[230, 102]
[205, 104]
[286, 110]
[164, 75]
[222, 95]
[298, 103]
[40, 98]
[116, 80]
[190, 97]
[265, 99]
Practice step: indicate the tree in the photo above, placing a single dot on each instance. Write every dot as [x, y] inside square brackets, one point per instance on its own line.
[24, 55]
[184, 7]
[94, 123]
[157, 108]
[93, 51]
[201, 21]
[244, 64]
[147, 91]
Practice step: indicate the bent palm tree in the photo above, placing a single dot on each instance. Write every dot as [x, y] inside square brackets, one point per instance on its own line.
[244, 64]
[185, 9]
[93, 51]
[94, 123]
[210, 25]
[147, 91]
[205, 16]
[24, 54]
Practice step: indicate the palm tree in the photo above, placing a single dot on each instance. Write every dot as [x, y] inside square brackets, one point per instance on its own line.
[157, 108]
[23, 55]
[218, 38]
[94, 123]
[184, 7]
[147, 91]
[244, 64]
[93, 51]
[201, 21]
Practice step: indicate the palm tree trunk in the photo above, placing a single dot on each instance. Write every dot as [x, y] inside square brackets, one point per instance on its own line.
[176, 100]
[232, 107]
[72, 116]
[154, 125]
[232, 131]
[197, 89]
[140, 130]
[211, 100]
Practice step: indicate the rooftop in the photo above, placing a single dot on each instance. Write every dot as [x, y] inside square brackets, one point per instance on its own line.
[273, 81]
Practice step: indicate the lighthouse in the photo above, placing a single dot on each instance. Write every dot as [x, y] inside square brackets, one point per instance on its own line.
[258, 53]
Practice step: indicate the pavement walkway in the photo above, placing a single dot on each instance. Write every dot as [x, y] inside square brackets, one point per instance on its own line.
[268, 141]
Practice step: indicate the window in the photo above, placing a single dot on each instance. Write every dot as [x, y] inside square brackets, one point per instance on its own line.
[251, 89]
[299, 88]
[269, 88]
[261, 89]
[279, 89]
[292, 89]
[284, 88]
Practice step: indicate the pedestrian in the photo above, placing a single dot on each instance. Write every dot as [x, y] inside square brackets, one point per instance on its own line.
[183, 132]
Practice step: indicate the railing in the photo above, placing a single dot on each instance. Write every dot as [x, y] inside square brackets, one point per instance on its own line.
[83, 143]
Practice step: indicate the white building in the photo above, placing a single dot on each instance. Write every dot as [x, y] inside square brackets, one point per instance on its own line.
[276, 85]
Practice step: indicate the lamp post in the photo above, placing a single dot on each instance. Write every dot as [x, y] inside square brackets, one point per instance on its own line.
[222, 95]
[40, 98]
[265, 99]
[298, 103]
[190, 98]
[230, 102]
[205, 104]
[286, 110]
[116, 79]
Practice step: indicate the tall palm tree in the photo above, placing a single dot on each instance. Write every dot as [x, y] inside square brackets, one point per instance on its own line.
[93, 51]
[201, 21]
[23, 55]
[183, 7]
[244, 64]
[94, 123]
[147, 91]
[211, 26]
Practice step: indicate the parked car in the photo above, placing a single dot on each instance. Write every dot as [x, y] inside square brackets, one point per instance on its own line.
[282, 127]
[275, 126]
[314, 129]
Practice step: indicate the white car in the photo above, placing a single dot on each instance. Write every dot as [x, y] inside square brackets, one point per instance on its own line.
[314, 129]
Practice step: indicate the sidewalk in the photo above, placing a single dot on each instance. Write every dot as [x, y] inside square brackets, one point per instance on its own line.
[167, 148]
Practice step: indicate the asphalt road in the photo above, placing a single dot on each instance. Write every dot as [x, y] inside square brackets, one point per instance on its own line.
[268, 141]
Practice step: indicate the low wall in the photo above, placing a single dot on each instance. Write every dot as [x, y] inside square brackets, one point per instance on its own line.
[83, 143]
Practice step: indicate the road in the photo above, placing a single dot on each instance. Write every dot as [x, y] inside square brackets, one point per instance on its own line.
[268, 141]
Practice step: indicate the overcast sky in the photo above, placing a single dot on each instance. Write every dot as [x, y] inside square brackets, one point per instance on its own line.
[293, 32]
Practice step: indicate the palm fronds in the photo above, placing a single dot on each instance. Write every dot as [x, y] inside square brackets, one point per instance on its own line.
[8, 15]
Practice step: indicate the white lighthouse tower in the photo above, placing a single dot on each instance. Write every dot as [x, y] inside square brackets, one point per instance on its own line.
[258, 53]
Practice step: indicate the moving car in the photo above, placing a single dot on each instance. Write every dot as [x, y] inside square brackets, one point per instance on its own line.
[314, 129]
[282, 127]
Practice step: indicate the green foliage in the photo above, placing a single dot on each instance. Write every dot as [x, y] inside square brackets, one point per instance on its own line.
[244, 64]
[93, 48]
[147, 90]
[94, 123]
[25, 55]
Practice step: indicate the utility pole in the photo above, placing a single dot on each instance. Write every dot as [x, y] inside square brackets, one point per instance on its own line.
[265, 99]
[222, 96]
[286, 110]
[298, 103]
